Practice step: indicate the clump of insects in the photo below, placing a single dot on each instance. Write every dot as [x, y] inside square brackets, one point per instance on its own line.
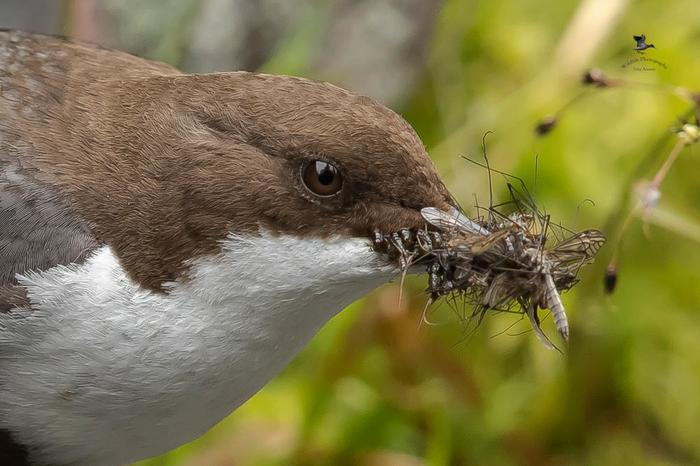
[512, 257]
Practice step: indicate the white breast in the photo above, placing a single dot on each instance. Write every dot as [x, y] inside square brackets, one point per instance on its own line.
[105, 373]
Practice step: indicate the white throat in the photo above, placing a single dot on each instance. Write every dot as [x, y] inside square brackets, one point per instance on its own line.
[104, 373]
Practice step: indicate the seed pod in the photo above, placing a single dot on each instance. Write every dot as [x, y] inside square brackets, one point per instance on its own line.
[610, 279]
[545, 126]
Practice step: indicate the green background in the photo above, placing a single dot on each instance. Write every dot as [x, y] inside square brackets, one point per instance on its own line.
[376, 387]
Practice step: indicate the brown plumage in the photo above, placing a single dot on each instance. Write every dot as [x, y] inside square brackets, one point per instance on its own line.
[101, 148]
[79, 122]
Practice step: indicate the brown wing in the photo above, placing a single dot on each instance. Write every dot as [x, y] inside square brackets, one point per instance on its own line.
[37, 230]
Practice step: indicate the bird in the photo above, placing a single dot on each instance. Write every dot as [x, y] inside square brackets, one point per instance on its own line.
[170, 241]
[641, 43]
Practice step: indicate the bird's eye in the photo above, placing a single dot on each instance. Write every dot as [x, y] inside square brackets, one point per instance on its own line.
[321, 178]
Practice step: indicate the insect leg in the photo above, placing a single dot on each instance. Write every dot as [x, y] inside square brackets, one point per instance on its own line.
[535, 322]
[425, 244]
[398, 244]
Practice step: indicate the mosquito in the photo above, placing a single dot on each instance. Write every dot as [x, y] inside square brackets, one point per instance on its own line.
[524, 255]
[564, 260]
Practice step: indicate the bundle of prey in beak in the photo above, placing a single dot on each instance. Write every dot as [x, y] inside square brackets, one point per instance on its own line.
[498, 263]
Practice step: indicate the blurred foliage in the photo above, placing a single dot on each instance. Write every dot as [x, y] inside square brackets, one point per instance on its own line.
[377, 388]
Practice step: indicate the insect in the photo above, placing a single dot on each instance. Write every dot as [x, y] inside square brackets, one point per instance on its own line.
[434, 280]
[398, 245]
[508, 261]
[452, 220]
[577, 250]
[500, 260]
[564, 261]
[408, 241]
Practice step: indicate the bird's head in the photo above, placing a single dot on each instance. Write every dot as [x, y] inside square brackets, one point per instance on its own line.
[204, 157]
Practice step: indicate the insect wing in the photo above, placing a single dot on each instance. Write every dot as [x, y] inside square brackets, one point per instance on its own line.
[531, 311]
[452, 220]
[480, 245]
[577, 249]
[498, 294]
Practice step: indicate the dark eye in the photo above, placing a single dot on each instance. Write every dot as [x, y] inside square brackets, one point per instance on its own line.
[321, 178]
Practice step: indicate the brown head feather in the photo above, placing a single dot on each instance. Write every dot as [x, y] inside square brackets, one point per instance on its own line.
[163, 166]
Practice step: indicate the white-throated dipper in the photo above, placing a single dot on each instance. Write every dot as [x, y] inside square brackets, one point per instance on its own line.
[169, 242]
